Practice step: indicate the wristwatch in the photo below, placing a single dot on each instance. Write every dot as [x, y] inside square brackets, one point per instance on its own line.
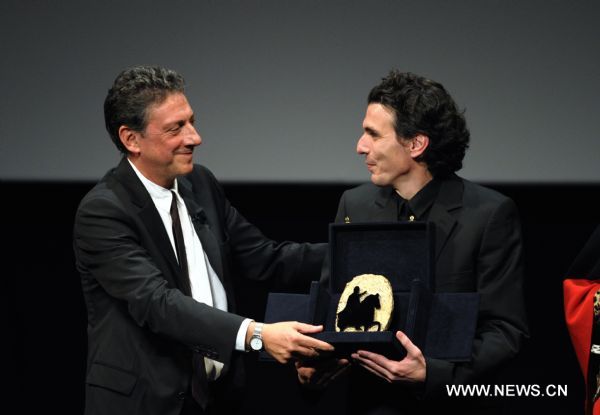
[256, 343]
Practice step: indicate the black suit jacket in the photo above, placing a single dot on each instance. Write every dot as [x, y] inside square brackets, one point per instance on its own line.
[141, 328]
[478, 247]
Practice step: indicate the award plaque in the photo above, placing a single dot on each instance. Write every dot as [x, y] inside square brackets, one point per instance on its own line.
[366, 304]
[381, 281]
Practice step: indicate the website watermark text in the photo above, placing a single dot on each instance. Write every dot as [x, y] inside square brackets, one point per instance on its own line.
[510, 390]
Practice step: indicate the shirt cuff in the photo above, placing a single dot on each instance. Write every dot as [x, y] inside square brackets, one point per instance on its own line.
[240, 340]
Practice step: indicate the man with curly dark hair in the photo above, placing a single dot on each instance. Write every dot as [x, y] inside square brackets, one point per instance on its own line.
[414, 140]
[422, 107]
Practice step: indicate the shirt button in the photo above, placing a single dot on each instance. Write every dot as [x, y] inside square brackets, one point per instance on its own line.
[181, 396]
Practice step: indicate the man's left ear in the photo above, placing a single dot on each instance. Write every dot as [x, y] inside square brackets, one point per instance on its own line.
[129, 138]
[418, 144]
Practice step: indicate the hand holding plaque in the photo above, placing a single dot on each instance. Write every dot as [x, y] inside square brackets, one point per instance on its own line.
[366, 304]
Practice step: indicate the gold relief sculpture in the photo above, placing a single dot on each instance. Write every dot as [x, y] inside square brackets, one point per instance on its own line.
[366, 304]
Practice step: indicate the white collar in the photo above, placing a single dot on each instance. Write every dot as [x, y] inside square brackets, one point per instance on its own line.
[156, 191]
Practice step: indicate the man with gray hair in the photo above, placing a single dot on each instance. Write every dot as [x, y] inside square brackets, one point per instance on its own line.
[158, 247]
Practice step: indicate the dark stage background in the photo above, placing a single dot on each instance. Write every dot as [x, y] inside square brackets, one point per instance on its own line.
[46, 317]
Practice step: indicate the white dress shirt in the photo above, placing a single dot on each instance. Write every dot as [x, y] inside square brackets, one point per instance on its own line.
[205, 284]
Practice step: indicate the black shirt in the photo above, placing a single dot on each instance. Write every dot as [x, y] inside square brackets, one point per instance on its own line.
[417, 208]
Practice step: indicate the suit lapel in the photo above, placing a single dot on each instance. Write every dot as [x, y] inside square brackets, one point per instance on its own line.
[384, 208]
[449, 198]
[132, 189]
[210, 244]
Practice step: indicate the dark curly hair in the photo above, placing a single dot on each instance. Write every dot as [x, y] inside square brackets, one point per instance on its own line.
[135, 89]
[423, 106]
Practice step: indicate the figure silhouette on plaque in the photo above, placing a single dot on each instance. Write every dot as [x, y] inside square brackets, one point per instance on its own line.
[359, 313]
[353, 301]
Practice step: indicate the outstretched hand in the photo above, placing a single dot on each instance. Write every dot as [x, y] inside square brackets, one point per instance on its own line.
[286, 341]
[410, 369]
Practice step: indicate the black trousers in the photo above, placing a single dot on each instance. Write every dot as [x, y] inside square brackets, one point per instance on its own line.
[222, 401]
[191, 407]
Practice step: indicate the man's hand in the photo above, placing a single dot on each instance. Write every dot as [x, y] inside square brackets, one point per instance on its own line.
[410, 369]
[286, 341]
[319, 373]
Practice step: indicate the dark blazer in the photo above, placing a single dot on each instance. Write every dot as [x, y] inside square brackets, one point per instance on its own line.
[141, 328]
[478, 247]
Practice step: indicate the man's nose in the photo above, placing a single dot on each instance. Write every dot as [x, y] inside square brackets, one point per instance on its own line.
[361, 145]
[193, 138]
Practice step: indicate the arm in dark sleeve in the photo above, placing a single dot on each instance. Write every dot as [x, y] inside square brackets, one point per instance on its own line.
[502, 325]
[291, 264]
[113, 262]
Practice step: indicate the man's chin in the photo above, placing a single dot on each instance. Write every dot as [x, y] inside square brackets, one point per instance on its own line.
[378, 180]
[186, 169]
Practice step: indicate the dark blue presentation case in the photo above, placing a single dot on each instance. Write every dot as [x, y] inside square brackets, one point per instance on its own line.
[442, 325]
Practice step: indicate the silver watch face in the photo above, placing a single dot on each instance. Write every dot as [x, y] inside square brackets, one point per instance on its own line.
[256, 343]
